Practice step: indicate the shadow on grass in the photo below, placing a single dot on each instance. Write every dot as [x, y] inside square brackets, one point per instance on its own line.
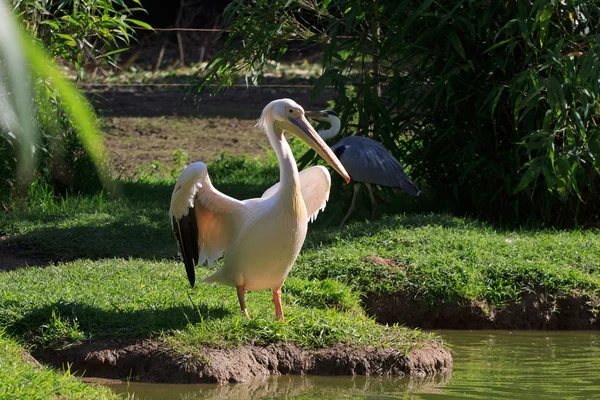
[324, 234]
[133, 224]
[118, 239]
[143, 230]
[242, 103]
[58, 322]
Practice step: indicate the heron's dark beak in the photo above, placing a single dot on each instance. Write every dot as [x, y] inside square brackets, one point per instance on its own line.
[302, 129]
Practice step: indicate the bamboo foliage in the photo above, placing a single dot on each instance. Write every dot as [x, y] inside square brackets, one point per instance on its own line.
[493, 106]
[16, 117]
[47, 128]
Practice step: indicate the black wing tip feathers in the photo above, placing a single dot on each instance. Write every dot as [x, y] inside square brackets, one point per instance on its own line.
[191, 275]
[186, 232]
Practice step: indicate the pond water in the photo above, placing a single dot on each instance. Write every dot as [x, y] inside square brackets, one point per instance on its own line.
[487, 365]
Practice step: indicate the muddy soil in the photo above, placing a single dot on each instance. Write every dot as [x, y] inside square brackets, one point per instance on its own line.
[535, 310]
[144, 128]
[12, 257]
[149, 361]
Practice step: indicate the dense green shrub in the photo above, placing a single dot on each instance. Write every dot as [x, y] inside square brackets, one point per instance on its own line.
[492, 105]
[77, 32]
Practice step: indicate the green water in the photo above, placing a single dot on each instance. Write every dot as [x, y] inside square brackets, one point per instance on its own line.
[487, 365]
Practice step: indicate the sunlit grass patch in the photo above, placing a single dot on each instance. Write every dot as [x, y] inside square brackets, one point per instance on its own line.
[67, 304]
[440, 258]
[436, 258]
[293, 71]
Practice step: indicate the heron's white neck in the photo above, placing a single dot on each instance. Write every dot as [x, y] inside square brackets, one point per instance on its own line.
[333, 130]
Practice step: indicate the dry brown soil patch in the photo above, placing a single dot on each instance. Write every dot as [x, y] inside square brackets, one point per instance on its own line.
[149, 361]
[142, 127]
[385, 262]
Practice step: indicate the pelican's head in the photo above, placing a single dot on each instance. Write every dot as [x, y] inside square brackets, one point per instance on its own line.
[287, 115]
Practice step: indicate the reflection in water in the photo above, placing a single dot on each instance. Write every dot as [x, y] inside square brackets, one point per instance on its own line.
[523, 365]
[291, 386]
[487, 365]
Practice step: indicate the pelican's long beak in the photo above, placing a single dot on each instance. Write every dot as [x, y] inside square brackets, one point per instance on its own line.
[307, 133]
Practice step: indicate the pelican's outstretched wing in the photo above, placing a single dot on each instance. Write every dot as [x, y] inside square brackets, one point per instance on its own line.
[202, 218]
[314, 183]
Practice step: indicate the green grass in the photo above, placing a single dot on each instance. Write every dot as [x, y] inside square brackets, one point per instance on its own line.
[21, 379]
[120, 277]
[299, 72]
[440, 258]
[129, 299]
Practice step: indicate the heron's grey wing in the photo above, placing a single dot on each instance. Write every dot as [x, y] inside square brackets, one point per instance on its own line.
[367, 160]
[203, 219]
[315, 183]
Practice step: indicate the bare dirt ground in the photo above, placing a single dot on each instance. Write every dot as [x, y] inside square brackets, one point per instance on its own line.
[12, 258]
[147, 360]
[142, 127]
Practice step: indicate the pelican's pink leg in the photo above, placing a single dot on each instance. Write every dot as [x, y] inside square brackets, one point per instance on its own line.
[241, 291]
[277, 301]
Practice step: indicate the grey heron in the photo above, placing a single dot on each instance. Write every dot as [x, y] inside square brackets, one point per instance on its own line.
[261, 238]
[366, 160]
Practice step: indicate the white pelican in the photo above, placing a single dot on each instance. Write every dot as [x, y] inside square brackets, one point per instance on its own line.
[261, 238]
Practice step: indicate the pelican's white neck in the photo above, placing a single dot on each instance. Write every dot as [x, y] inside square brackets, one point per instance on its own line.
[333, 130]
[288, 170]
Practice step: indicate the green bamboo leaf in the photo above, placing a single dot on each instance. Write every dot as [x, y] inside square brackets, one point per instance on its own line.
[497, 98]
[532, 95]
[563, 171]
[530, 175]
[76, 106]
[51, 23]
[499, 44]
[15, 110]
[549, 177]
[578, 121]
[556, 95]
[117, 51]
[455, 40]
[69, 39]
[588, 64]
[417, 14]
[139, 23]
[550, 149]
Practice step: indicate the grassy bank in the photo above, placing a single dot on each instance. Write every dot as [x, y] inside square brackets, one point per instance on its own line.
[114, 275]
[432, 257]
[61, 306]
[441, 259]
[117, 276]
[22, 378]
